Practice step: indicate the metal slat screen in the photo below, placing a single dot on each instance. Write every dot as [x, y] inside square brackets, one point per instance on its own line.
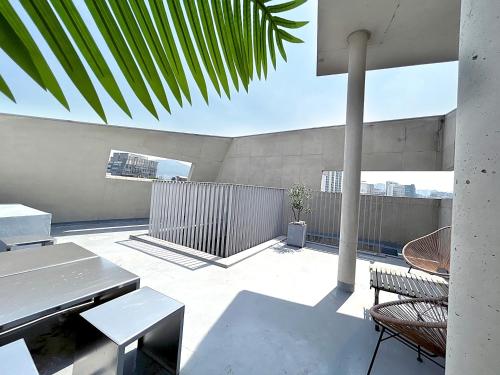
[219, 219]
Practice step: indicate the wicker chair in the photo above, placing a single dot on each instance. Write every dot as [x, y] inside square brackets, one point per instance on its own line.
[419, 323]
[430, 253]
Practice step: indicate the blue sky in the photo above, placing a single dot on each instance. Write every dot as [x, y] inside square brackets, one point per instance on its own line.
[292, 97]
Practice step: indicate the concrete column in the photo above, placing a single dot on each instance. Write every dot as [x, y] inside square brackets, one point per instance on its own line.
[357, 42]
[474, 301]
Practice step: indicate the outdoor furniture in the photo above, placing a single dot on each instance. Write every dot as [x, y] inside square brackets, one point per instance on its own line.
[20, 220]
[418, 323]
[16, 359]
[430, 253]
[16, 242]
[408, 285]
[146, 315]
[50, 280]
[404, 284]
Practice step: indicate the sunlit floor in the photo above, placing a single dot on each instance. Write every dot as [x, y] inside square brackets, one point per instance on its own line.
[277, 312]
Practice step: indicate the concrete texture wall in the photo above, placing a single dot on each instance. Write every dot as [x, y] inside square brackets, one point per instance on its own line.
[448, 142]
[59, 166]
[282, 159]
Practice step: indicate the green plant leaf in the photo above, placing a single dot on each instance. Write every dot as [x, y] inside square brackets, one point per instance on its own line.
[288, 24]
[148, 29]
[187, 46]
[20, 46]
[194, 22]
[213, 44]
[289, 37]
[209, 40]
[137, 45]
[4, 88]
[285, 6]
[76, 27]
[47, 23]
[118, 47]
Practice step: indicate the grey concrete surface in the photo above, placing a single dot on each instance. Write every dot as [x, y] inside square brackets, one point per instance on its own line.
[20, 220]
[474, 319]
[277, 312]
[404, 32]
[59, 166]
[299, 156]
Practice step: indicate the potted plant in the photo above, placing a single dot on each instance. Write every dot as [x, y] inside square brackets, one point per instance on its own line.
[299, 196]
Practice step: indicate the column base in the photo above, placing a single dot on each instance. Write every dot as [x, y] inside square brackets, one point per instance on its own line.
[345, 287]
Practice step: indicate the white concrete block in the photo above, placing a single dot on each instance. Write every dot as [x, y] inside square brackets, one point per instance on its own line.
[19, 220]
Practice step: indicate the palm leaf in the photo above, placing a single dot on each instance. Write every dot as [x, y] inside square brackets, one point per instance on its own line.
[45, 19]
[17, 42]
[4, 88]
[209, 40]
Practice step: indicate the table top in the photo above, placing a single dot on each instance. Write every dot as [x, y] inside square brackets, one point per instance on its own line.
[27, 296]
[126, 318]
[25, 260]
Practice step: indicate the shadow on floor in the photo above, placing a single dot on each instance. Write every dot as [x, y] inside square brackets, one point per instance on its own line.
[183, 261]
[259, 334]
[97, 227]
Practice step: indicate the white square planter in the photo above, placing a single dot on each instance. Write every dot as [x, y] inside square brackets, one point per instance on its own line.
[296, 234]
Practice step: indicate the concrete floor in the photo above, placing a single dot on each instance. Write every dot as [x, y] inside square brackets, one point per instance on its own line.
[277, 312]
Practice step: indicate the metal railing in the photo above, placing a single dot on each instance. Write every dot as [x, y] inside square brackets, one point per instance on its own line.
[219, 219]
[385, 223]
[224, 219]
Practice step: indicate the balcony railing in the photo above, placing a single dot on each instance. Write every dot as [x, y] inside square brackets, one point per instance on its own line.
[224, 219]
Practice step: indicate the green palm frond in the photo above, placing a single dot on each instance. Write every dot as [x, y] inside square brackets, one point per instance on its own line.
[155, 44]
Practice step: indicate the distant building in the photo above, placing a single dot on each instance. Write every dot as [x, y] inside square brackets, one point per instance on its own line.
[390, 187]
[331, 181]
[132, 165]
[393, 189]
[367, 188]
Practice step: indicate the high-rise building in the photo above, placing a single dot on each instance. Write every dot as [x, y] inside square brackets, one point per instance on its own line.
[367, 188]
[394, 189]
[331, 181]
[131, 165]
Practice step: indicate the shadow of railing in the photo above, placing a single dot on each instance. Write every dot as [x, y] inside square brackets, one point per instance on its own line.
[180, 260]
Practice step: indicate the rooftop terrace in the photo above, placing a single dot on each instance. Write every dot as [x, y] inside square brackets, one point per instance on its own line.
[277, 312]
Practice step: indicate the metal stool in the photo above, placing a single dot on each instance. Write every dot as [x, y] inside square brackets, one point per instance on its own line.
[146, 316]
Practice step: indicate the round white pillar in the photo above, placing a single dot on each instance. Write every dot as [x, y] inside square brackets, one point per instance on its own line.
[351, 178]
[473, 345]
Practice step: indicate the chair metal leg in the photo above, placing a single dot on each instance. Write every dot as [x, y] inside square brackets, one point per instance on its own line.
[409, 269]
[377, 291]
[419, 358]
[376, 350]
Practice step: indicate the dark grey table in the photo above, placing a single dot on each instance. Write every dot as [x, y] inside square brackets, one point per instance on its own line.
[26, 260]
[41, 282]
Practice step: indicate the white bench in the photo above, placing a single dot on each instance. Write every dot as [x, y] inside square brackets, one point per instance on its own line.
[146, 316]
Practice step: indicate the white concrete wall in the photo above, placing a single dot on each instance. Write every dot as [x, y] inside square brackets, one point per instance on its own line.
[448, 142]
[59, 166]
[282, 159]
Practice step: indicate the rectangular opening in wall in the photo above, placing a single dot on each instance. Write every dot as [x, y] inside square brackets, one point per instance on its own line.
[409, 184]
[135, 166]
[395, 207]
